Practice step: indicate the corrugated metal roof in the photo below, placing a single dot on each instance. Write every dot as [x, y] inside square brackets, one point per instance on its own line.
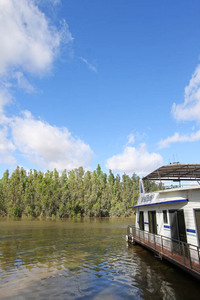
[176, 172]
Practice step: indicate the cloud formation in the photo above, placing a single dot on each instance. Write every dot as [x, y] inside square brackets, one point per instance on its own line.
[29, 45]
[6, 148]
[28, 41]
[48, 146]
[23, 83]
[5, 98]
[90, 66]
[190, 109]
[193, 137]
[45, 145]
[137, 160]
[131, 139]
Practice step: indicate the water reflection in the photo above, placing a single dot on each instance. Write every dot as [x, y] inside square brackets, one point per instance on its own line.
[83, 259]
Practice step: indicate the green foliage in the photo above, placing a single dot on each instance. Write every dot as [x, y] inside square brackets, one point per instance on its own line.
[76, 193]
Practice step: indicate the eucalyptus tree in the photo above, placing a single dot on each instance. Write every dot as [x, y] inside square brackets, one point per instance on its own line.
[87, 183]
[4, 193]
[16, 192]
[29, 197]
[63, 210]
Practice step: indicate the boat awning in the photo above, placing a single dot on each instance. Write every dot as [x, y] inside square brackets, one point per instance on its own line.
[176, 172]
[175, 201]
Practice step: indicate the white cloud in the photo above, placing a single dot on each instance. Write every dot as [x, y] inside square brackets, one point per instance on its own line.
[23, 83]
[49, 146]
[90, 66]
[5, 98]
[47, 2]
[190, 109]
[131, 139]
[28, 41]
[55, 2]
[137, 160]
[29, 44]
[193, 137]
[6, 148]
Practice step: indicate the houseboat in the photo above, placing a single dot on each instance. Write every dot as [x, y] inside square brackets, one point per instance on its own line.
[168, 220]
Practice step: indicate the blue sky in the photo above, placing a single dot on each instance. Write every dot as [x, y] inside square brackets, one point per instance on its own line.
[110, 82]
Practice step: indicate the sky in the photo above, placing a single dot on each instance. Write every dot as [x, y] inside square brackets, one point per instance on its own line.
[109, 82]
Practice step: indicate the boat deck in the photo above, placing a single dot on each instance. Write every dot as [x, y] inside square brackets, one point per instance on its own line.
[183, 255]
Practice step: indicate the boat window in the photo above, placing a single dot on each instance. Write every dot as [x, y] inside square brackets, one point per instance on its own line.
[165, 220]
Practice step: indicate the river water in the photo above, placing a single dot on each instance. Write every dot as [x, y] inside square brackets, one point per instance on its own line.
[83, 259]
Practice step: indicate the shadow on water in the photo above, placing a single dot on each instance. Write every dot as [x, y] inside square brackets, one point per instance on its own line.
[83, 259]
[161, 280]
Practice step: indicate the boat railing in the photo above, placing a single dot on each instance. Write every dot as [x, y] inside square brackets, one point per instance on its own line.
[181, 252]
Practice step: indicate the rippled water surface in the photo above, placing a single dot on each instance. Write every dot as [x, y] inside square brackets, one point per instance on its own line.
[83, 259]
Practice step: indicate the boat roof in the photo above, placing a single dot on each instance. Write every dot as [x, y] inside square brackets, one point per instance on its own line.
[176, 172]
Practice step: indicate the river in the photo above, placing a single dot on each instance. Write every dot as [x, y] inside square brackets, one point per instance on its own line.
[83, 259]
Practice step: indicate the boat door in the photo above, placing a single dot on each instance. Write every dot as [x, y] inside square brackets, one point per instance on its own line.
[152, 222]
[197, 215]
[141, 220]
[177, 225]
[178, 231]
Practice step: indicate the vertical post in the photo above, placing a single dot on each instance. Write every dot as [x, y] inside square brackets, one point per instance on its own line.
[188, 248]
[183, 249]
[172, 247]
[162, 243]
[198, 253]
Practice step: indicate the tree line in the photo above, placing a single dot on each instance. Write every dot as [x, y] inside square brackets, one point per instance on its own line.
[73, 193]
